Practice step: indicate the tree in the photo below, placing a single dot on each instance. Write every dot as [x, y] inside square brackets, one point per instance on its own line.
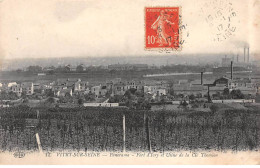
[23, 94]
[129, 103]
[112, 72]
[80, 68]
[139, 93]
[51, 72]
[26, 100]
[116, 99]
[128, 94]
[8, 96]
[132, 90]
[163, 99]
[237, 94]
[171, 92]
[257, 98]
[214, 108]
[199, 95]
[12, 95]
[192, 97]
[67, 94]
[18, 70]
[80, 101]
[180, 95]
[184, 103]
[90, 97]
[50, 100]
[34, 69]
[146, 105]
[226, 92]
[49, 93]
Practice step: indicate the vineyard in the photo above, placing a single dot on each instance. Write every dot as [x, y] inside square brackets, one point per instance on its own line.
[101, 129]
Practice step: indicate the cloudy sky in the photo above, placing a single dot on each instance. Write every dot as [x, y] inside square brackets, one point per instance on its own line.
[78, 28]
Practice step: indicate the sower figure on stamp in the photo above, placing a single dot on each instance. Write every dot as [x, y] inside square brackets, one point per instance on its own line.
[160, 25]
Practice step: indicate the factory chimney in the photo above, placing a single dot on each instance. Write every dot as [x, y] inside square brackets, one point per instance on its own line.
[201, 78]
[248, 55]
[244, 54]
[231, 70]
[237, 58]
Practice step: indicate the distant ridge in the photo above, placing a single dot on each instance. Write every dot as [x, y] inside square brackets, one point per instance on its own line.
[189, 59]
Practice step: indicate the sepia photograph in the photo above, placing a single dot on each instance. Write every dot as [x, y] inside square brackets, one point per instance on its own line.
[129, 82]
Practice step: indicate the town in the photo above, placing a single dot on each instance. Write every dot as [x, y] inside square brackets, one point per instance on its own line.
[131, 85]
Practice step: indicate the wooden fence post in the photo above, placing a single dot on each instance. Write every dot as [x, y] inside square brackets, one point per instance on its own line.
[124, 133]
[38, 142]
[38, 114]
[148, 135]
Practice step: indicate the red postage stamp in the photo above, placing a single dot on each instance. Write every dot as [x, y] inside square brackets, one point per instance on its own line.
[162, 28]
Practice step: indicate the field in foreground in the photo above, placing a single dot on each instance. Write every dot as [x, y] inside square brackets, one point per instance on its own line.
[101, 129]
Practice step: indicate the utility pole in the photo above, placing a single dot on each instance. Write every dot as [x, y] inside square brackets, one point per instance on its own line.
[209, 100]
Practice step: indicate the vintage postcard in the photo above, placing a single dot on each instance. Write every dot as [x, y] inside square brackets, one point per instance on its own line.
[129, 82]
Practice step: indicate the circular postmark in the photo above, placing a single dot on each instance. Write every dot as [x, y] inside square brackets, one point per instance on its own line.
[183, 36]
[221, 17]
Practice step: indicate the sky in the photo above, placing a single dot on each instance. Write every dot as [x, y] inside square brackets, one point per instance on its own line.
[83, 28]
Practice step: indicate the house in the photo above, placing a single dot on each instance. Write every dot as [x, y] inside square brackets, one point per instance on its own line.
[138, 85]
[109, 85]
[150, 89]
[119, 88]
[246, 86]
[161, 91]
[28, 88]
[69, 82]
[189, 89]
[48, 69]
[128, 67]
[70, 68]
[41, 74]
[63, 92]
[205, 82]
[99, 90]
[96, 90]
[224, 81]
[103, 90]
[157, 90]
[16, 89]
[11, 84]
[42, 86]
[64, 84]
[81, 85]
[80, 68]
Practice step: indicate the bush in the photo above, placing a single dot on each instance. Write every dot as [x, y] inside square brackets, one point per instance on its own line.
[80, 101]
[214, 108]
